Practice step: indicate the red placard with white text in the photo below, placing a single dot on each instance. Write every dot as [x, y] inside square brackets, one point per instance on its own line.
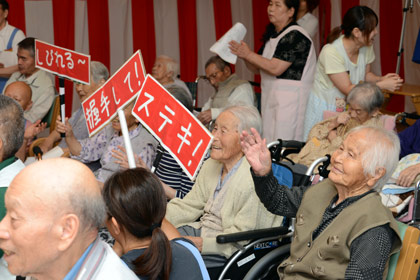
[176, 128]
[101, 107]
[63, 62]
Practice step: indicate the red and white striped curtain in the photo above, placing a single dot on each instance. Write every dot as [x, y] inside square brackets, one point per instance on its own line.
[110, 30]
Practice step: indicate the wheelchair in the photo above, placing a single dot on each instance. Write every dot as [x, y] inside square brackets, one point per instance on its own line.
[260, 258]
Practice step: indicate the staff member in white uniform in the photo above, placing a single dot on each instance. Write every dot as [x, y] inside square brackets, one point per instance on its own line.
[345, 63]
[287, 66]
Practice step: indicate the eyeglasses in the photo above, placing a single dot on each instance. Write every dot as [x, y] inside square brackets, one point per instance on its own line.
[213, 76]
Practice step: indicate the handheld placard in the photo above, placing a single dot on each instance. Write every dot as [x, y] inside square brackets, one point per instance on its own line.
[126, 136]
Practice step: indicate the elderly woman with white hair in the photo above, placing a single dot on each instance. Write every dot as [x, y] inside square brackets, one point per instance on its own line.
[365, 101]
[166, 70]
[223, 199]
[342, 230]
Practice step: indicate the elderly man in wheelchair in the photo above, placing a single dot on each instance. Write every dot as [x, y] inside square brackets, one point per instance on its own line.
[342, 229]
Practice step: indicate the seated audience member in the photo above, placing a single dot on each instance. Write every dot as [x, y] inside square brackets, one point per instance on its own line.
[136, 206]
[222, 199]
[12, 128]
[344, 230]
[22, 94]
[410, 144]
[50, 232]
[230, 90]
[41, 82]
[364, 101]
[98, 76]
[101, 145]
[174, 180]
[165, 71]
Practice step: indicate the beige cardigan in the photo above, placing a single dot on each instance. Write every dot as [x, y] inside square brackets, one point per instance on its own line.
[241, 211]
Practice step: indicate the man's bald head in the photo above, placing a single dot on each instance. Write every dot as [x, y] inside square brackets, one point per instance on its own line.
[20, 92]
[65, 183]
[54, 208]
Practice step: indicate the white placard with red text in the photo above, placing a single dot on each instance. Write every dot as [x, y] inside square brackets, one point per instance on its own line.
[101, 107]
[63, 62]
[176, 128]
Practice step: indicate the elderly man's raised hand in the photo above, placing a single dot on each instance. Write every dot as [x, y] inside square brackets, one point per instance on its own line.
[256, 152]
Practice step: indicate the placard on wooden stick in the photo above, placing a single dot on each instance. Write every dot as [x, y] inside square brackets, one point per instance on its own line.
[101, 107]
[176, 128]
[62, 62]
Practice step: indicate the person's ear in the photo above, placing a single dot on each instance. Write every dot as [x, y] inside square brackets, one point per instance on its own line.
[101, 82]
[29, 106]
[169, 74]
[291, 12]
[356, 32]
[375, 113]
[227, 71]
[115, 226]
[67, 228]
[379, 173]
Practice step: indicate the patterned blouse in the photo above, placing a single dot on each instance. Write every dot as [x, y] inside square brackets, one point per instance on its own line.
[101, 145]
[294, 47]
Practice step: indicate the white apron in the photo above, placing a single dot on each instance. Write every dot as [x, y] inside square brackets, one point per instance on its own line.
[283, 102]
[325, 101]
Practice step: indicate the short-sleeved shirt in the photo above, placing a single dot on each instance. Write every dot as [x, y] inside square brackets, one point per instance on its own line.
[294, 47]
[330, 61]
[186, 260]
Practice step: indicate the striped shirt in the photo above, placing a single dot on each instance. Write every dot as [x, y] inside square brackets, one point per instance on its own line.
[172, 174]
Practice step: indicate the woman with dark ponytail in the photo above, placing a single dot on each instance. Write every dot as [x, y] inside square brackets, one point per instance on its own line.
[345, 62]
[136, 205]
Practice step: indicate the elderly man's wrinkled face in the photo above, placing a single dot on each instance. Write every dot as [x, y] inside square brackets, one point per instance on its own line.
[26, 63]
[226, 146]
[159, 71]
[215, 76]
[27, 232]
[346, 162]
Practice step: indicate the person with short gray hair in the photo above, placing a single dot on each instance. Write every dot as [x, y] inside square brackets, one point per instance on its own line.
[230, 90]
[12, 129]
[368, 96]
[166, 71]
[248, 117]
[344, 230]
[99, 74]
[365, 101]
[60, 208]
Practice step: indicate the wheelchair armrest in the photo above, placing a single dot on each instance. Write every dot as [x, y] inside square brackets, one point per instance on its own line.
[292, 144]
[252, 234]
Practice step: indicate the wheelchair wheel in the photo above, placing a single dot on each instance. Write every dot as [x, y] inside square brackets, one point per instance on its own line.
[266, 267]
